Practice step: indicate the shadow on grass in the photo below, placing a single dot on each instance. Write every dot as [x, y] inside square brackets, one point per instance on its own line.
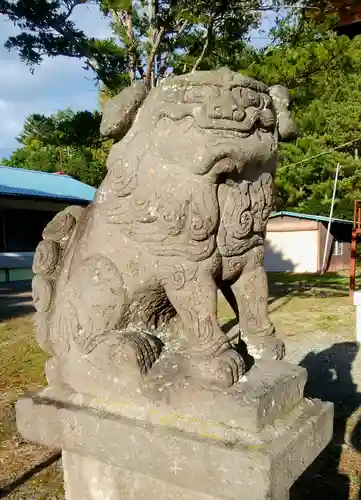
[330, 379]
[326, 285]
[15, 300]
[26, 476]
[283, 287]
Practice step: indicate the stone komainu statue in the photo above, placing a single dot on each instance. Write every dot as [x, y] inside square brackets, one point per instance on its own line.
[181, 213]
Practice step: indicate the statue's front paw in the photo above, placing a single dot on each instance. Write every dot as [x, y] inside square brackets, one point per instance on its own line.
[229, 367]
[268, 347]
[139, 348]
[222, 370]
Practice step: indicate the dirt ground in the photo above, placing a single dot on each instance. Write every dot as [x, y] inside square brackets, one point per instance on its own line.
[312, 314]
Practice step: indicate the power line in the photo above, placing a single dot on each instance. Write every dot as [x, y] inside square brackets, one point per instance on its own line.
[322, 154]
[271, 8]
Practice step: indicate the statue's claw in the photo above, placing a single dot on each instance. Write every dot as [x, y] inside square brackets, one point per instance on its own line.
[141, 348]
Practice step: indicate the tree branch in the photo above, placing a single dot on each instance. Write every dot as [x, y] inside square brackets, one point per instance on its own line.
[171, 45]
[206, 42]
[148, 74]
[131, 48]
[181, 29]
[91, 62]
[205, 47]
[125, 19]
[200, 58]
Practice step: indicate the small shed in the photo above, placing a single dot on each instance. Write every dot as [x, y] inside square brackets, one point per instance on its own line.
[295, 242]
[29, 199]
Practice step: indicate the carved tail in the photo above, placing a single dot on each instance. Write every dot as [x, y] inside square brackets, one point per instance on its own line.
[47, 257]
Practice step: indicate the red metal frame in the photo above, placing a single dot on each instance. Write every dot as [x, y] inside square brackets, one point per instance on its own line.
[356, 231]
[349, 11]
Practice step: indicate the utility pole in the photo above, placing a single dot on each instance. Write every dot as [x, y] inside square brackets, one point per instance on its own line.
[330, 219]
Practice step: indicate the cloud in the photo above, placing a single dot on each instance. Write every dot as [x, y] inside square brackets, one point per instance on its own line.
[89, 19]
[57, 83]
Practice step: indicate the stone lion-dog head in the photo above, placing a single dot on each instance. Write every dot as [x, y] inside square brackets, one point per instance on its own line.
[206, 116]
[176, 149]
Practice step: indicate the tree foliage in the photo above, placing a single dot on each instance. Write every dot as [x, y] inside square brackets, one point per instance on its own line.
[65, 142]
[150, 37]
[322, 70]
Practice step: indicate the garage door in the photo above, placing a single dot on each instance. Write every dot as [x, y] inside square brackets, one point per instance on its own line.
[292, 251]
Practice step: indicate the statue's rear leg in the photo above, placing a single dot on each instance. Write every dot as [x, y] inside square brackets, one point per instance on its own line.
[89, 321]
[211, 353]
[251, 292]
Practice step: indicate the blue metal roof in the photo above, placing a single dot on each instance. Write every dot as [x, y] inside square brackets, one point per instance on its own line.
[319, 218]
[36, 184]
[20, 260]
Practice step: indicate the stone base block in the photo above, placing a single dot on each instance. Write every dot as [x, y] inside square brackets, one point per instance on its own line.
[270, 390]
[108, 455]
[89, 479]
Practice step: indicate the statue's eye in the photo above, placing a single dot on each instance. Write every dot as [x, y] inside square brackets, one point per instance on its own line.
[199, 94]
[251, 99]
[267, 101]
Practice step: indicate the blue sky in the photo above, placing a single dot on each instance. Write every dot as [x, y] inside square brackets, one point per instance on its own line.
[58, 82]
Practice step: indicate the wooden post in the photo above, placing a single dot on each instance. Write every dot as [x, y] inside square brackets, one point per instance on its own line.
[353, 263]
[356, 231]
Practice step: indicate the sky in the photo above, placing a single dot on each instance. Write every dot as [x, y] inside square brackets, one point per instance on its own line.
[57, 83]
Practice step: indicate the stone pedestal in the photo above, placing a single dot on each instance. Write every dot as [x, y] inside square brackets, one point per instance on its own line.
[250, 442]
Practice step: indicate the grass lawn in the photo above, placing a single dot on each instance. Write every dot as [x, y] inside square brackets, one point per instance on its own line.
[303, 304]
[21, 370]
[300, 305]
